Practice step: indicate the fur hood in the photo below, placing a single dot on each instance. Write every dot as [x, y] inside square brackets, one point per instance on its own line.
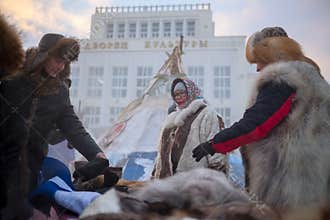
[177, 118]
[11, 50]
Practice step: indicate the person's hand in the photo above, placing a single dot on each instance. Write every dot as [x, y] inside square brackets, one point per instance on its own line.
[92, 168]
[101, 155]
[202, 150]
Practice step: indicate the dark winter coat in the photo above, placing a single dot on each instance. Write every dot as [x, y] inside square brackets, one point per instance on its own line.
[27, 117]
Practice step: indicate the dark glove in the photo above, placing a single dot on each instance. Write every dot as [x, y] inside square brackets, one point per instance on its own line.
[202, 150]
[92, 169]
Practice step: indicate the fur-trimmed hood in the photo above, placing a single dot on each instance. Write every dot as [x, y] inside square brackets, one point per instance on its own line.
[11, 50]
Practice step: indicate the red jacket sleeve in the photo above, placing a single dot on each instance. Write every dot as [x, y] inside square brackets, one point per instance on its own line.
[272, 105]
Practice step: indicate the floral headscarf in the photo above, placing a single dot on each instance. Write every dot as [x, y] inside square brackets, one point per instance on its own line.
[193, 91]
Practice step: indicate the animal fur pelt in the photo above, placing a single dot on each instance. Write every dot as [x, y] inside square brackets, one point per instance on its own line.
[290, 168]
[312, 213]
[192, 189]
[11, 50]
[231, 211]
[240, 211]
[188, 191]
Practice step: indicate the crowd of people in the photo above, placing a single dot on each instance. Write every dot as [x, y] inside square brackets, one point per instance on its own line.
[283, 135]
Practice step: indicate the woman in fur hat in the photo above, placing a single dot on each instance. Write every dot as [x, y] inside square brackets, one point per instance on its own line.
[192, 123]
[32, 102]
[285, 128]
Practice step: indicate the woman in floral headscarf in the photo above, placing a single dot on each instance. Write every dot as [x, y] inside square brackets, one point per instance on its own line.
[192, 122]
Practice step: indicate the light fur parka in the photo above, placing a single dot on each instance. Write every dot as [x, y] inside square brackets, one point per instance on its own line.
[291, 167]
[203, 128]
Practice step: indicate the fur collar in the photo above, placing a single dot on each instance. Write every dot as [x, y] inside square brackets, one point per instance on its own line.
[178, 118]
[302, 76]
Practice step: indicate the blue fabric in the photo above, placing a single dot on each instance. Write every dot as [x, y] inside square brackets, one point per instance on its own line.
[47, 188]
[52, 167]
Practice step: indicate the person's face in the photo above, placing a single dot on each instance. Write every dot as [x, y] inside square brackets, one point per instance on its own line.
[54, 66]
[260, 66]
[180, 97]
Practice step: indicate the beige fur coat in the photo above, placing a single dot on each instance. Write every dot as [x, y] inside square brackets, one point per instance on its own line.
[203, 128]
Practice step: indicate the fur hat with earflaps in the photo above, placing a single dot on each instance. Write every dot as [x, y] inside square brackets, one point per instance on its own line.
[272, 44]
[11, 50]
[50, 45]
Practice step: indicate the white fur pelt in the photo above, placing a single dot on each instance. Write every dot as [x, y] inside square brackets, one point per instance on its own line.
[191, 190]
[290, 168]
[203, 128]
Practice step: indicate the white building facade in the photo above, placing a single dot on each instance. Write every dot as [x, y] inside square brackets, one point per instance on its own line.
[127, 46]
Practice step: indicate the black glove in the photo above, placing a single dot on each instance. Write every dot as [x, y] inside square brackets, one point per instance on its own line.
[202, 150]
[92, 169]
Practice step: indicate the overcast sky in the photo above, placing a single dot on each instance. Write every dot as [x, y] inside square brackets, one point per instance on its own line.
[307, 21]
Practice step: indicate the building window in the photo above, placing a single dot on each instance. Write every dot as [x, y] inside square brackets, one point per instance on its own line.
[196, 74]
[155, 29]
[167, 29]
[222, 82]
[178, 28]
[191, 28]
[109, 31]
[225, 114]
[95, 81]
[144, 30]
[132, 30]
[75, 72]
[119, 82]
[121, 30]
[114, 112]
[91, 116]
[144, 75]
